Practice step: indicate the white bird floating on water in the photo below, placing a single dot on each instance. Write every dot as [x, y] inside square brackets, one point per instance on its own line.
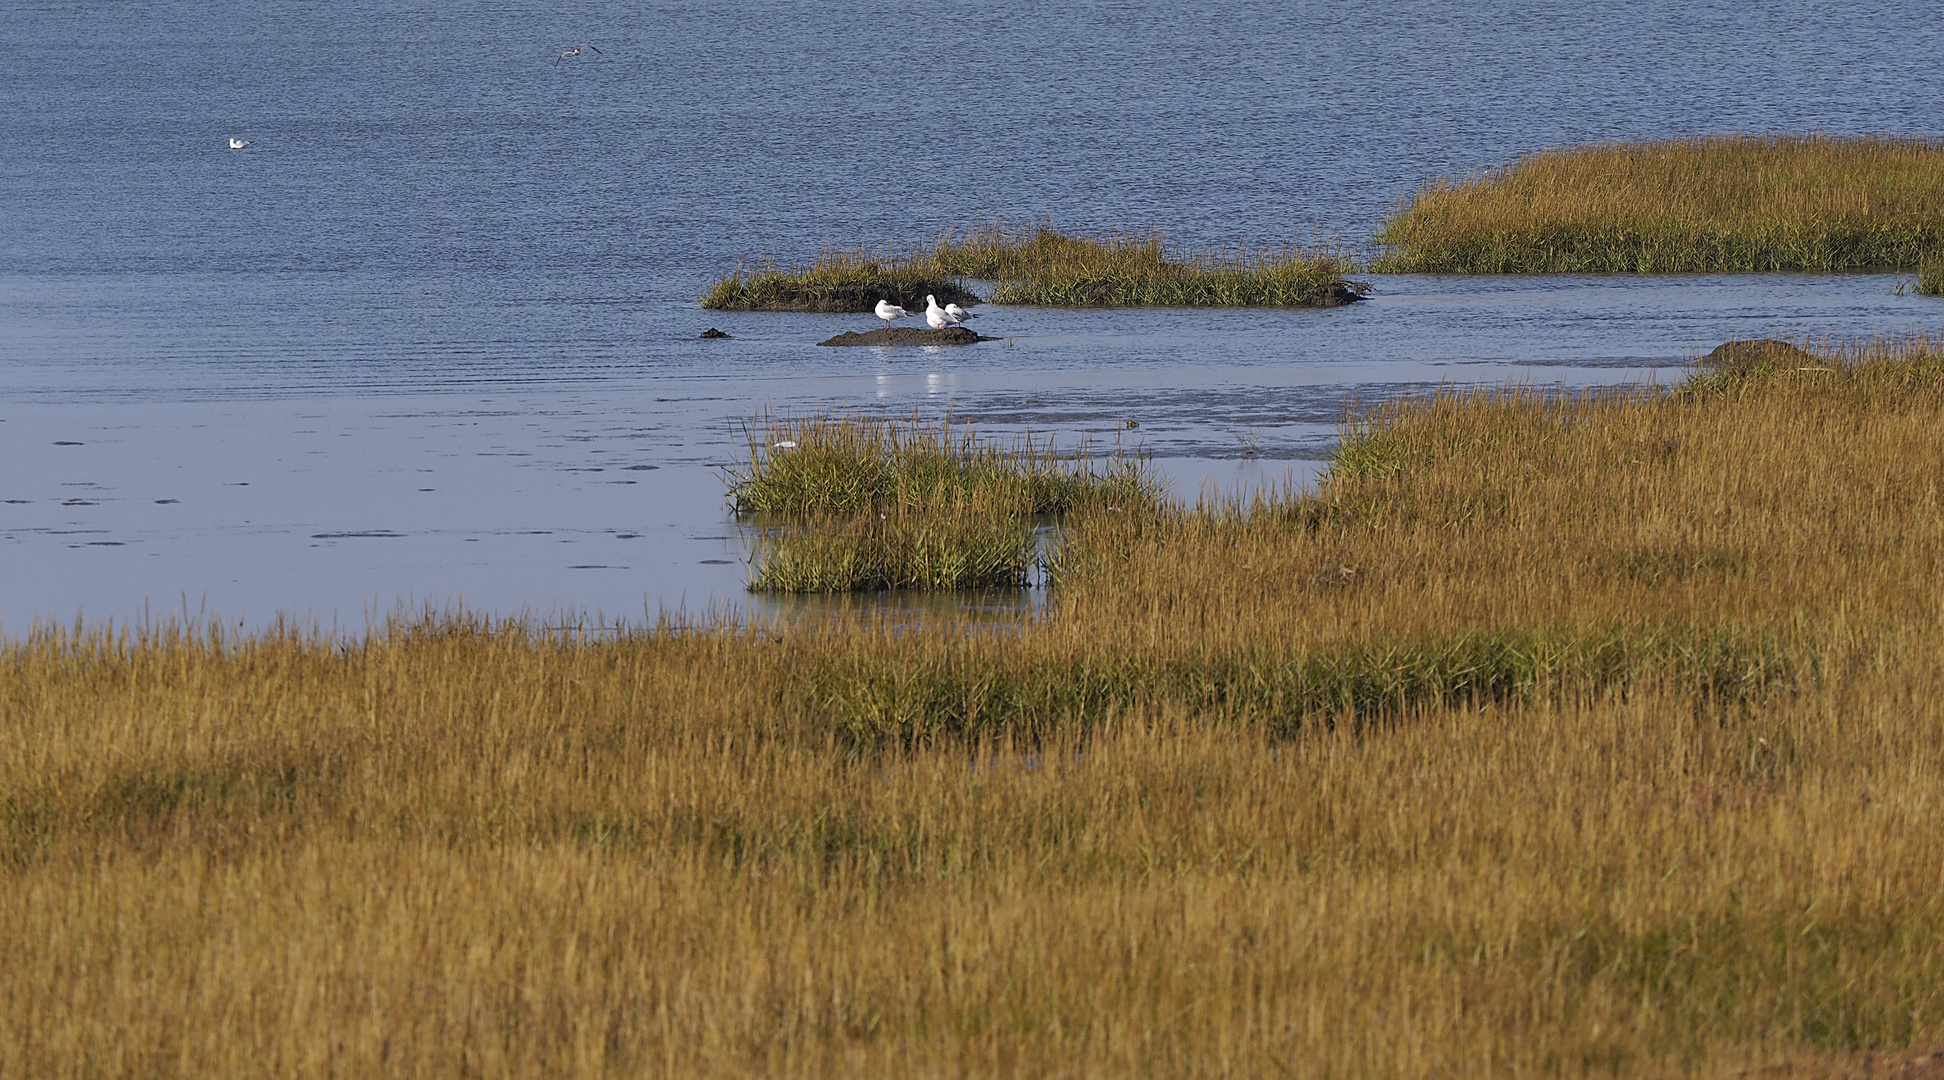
[958, 313]
[936, 315]
[576, 51]
[238, 144]
[887, 311]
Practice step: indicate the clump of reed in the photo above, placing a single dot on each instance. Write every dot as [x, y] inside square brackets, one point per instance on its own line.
[964, 546]
[1552, 734]
[855, 503]
[846, 280]
[1703, 204]
[840, 463]
[1038, 265]
[1930, 281]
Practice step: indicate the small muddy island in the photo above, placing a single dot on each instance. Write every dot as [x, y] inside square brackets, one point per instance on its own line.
[909, 335]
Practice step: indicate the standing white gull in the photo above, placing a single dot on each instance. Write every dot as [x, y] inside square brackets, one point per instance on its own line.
[958, 313]
[887, 311]
[935, 315]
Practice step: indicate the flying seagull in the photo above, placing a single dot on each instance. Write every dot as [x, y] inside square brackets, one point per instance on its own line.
[238, 144]
[958, 313]
[887, 311]
[575, 51]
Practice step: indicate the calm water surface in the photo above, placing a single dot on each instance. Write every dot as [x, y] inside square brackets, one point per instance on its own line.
[432, 335]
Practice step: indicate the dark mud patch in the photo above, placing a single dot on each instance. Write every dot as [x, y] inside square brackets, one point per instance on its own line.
[907, 335]
[1761, 353]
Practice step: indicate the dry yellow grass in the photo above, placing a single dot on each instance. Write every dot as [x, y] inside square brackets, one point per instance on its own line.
[1714, 203]
[1594, 737]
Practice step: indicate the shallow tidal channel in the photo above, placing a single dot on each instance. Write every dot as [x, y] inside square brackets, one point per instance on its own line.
[315, 478]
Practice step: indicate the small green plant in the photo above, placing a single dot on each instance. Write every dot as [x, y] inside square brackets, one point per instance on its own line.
[1930, 281]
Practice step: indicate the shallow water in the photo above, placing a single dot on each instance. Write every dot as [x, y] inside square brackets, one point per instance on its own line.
[379, 355]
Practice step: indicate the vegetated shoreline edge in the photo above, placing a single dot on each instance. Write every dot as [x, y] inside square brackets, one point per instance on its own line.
[1698, 204]
[1562, 733]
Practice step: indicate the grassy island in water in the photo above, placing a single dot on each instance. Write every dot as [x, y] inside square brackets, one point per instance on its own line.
[1594, 734]
[1705, 204]
[1038, 265]
[852, 504]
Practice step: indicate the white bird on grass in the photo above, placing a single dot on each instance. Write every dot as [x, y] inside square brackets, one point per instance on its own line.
[936, 315]
[238, 144]
[958, 313]
[887, 311]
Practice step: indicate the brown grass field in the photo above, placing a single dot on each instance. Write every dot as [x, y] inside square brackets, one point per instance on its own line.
[1562, 736]
[1720, 203]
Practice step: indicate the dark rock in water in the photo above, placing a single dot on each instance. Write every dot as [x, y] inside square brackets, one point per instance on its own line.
[1338, 293]
[712, 332]
[1766, 352]
[906, 335]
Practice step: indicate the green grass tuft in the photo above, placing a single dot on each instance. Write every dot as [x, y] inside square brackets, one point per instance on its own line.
[857, 503]
[970, 547]
[833, 464]
[1930, 281]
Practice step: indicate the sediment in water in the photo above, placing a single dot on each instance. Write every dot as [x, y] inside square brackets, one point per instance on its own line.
[910, 335]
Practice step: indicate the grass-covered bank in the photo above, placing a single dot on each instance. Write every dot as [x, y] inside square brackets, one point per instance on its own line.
[1038, 265]
[1703, 204]
[1561, 737]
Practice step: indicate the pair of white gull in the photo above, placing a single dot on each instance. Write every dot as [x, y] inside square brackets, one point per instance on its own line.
[938, 317]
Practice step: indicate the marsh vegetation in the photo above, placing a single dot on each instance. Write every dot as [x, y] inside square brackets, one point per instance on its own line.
[860, 503]
[837, 280]
[1718, 203]
[1573, 735]
[1038, 265]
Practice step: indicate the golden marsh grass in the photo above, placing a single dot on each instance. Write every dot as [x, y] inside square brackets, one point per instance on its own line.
[1040, 266]
[1704, 204]
[1643, 780]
